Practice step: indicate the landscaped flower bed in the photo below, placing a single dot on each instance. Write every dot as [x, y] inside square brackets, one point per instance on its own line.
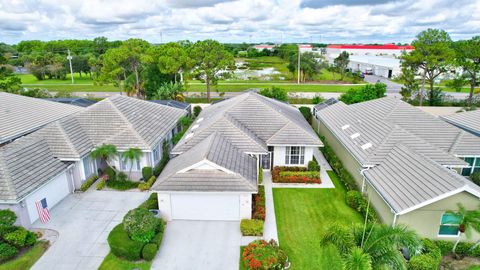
[261, 254]
[259, 204]
[295, 175]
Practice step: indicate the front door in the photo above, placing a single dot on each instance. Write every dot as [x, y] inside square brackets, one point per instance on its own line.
[265, 161]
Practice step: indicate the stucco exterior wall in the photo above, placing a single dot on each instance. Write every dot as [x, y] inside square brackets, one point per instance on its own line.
[426, 220]
[22, 214]
[279, 156]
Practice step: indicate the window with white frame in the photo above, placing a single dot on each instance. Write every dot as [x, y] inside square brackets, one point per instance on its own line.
[156, 154]
[473, 165]
[125, 165]
[87, 166]
[449, 225]
[294, 155]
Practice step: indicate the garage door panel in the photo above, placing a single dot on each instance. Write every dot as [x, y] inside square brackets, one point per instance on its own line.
[205, 207]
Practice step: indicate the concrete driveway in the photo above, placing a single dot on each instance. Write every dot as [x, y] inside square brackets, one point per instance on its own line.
[83, 221]
[199, 245]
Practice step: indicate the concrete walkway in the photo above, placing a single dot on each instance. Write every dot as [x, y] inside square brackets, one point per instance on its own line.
[270, 226]
[191, 245]
[83, 222]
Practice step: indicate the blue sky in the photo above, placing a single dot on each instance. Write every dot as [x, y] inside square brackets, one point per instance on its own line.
[330, 21]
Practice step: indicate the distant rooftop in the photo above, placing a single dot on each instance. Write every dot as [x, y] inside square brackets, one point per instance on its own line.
[469, 121]
[82, 102]
[371, 47]
[173, 103]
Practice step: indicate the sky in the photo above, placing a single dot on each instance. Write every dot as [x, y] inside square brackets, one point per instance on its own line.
[319, 21]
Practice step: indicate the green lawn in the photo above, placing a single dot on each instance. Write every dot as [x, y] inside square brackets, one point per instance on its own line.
[111, 262]
[303, 215]
[28, 259]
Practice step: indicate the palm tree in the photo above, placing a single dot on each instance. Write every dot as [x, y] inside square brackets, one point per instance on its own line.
[373, 247]
[469, 223]
[131, 155]
[107, 152]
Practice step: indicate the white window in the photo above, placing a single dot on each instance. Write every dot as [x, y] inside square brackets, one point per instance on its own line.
[294, 155]
[125, 165]
[449, 225]
[87, 166]
[156, 154]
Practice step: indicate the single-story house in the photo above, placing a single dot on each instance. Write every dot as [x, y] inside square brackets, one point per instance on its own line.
[22, 115]
[57, 160]
[214, 169]
[81, 102]
[468, 121]
[175, 104]
[409, 163]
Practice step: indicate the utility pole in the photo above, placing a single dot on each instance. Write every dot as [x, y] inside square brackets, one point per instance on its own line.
[161, 38]
[69, 57]
[298, 75]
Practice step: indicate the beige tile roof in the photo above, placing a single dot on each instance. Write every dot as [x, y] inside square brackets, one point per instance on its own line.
[469, 121]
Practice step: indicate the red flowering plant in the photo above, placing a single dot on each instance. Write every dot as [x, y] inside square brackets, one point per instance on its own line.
[263, 255]
[259, 204]
[295, 175]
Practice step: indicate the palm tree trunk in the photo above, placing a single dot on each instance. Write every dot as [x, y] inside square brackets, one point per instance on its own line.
[474, 246]
[456, 243]
[208, 89]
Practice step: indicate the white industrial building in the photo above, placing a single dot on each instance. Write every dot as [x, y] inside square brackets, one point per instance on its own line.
[376, 65]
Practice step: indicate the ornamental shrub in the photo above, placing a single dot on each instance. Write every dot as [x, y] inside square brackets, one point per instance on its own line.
[251, 227]
[7, 251]
[122, 246]
[151, 202]
[313, 166]
[260, 176]
[147, 172]
[197, 110]
[260, 254]
[259, 204]
[357, 201]
[111, 173]
[429, 259]
[149, 251]
[295, 175]
[140, 224]
[7, 218]
[17, 237]
[306, 112]
[31, 239]
[89, 182]
[157, 239]
[475, 177]
[101, 184]
[148, 184]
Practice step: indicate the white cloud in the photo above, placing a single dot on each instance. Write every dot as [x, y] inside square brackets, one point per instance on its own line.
[237, 20]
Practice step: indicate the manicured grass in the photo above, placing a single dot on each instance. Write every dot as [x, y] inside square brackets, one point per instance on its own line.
[111, 262]
[290, 87]
[28, 259]
[302, 217]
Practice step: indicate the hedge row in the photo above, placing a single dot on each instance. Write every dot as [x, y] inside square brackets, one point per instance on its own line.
[284, 174]
[251, 227]
[259, 204]
[345, 177]
[151, 202]
[88, 183]
[429, 259]
[357, 201]
[147, 185]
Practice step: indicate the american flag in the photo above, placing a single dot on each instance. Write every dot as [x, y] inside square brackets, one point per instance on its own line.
[42, 209]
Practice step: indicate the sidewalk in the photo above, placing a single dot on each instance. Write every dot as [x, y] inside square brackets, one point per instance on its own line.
[270, 226]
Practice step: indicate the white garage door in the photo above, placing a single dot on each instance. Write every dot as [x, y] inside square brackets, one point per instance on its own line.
[53, 192]
[205, 207]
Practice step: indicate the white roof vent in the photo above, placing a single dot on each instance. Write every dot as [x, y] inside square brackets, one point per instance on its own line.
[345, 127]
[355, 135]
[189, 135]
[200, 120]
[366, 146]
[195, 127]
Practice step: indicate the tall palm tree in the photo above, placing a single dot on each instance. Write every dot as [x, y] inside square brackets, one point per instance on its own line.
[132, 155]
[373, 247]
[107, 152]
[469, 223]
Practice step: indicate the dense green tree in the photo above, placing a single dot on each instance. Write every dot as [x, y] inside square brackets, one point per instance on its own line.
[286, 51]
[80, 64]
[467, 57]
[169, 90]
[174, 59]
[367, 92]
[410, 84]
[341, 64]
[374, 246]
[433, 56]
[275, 92]
[309, 65]
[211, 61]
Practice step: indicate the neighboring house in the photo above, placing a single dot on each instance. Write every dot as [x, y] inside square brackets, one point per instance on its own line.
[82, 102]
[468, 121]
[407, 161]
[57, 159]
[175, 104]
[215, 167]
[21, 115]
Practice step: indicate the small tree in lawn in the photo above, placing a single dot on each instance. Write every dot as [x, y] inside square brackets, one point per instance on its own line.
[469, 223]
[130, 156]
[341, 64]
[107, 152]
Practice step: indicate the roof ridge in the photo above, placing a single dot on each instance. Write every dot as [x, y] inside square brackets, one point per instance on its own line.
[250, 133]
[7, 177]
[64, 134]
[456, 141]
[129, 124]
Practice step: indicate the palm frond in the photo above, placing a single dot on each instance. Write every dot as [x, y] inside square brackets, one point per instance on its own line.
[340, 237]
[357, 259]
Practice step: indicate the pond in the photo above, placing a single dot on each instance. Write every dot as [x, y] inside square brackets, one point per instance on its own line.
[242, 72]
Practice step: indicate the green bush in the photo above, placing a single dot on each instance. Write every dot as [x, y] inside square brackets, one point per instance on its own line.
[345, 177]
[149, 251]
[313, 166]
[444, 246]
[263, 255]
[147, 185]
[475, 177]
[31, 239]
[357, 201]
[157, 239]
[197, 110]
[121, 184]
[111, 173]
[122, 246]
[160, 226]
[310, 174]
[306, 112]
[7, 251]
[101, 184]
[260, 176]
[275, 92]
[147, 172]
[17, 237]
[7, 218]
[140, 224]
[151, 202]
[259, 204]
[367, 92]
[429, 259]
[88, 183]
[121, 176]
[251, 227]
